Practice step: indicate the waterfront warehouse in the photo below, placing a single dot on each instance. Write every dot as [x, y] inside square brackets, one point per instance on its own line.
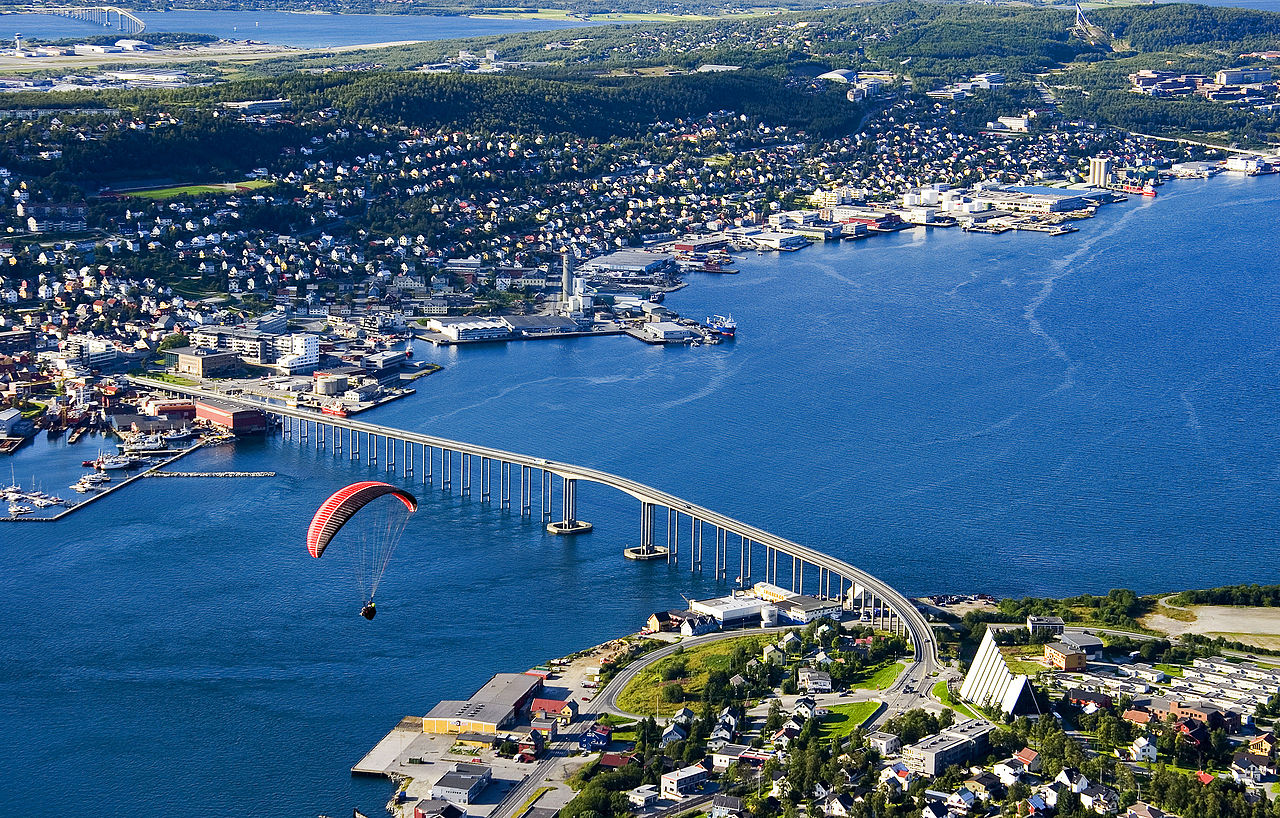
[489, 710]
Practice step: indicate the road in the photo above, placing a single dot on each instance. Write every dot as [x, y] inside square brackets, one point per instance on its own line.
[914, 622]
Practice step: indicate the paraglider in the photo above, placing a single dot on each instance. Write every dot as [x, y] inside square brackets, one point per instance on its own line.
[370, 540]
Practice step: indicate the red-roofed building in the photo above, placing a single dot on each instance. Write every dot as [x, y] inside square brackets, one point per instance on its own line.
[616, 761]
[554, 709]
[1029, 758]
[1136, 716]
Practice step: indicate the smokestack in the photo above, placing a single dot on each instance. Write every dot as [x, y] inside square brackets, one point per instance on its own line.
[566, 277]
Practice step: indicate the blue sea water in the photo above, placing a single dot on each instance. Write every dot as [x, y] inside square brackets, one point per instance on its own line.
[1019, 414]
[289, 29]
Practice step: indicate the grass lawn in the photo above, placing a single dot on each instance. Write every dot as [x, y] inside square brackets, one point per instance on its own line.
[1170, 670]
[169, 377]
[198, 190]
[877, 678]
[1023, 659]
[641, 692]
[845, 718]
[943, 694]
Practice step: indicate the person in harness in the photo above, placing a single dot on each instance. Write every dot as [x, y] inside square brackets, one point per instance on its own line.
[369, 611]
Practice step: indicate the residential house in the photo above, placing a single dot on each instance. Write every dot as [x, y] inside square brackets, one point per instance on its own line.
[1144, 810]
[1030, 758]
[1072, 779]
[726, 806]
[1100, 799]
[1009, 771]
[684, 717]
[837, 805]
[642, 796]
[1263, 744]
[885, 744]
[805, 707]
[986, 786]
[815, 681]
[597, 738]
[563, 711]
[679, 783]
[672, 733]
[1250, 767]
[1142, 749]
[962, 799]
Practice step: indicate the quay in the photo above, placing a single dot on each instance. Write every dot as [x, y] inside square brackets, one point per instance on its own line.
[107, 491]
[441, 340]
[208, 474]
[741, 553]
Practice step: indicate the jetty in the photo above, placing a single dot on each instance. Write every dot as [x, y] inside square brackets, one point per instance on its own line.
[107, 491]
[209, 474]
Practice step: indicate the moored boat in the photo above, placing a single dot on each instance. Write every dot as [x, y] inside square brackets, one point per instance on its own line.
[722, 325]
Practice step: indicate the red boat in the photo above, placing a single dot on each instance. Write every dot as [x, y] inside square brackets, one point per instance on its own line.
[335, 411]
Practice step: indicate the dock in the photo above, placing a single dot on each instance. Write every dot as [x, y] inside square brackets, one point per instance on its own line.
[107, 491]
[208, 474]
[384, 754]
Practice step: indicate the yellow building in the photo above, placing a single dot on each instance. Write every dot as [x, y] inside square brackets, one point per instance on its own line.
[1063, 657]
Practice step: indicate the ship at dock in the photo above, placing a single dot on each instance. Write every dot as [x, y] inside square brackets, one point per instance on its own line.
[722, 325]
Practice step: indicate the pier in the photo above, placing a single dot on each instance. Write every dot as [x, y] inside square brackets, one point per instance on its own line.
[148, 472]
[741, 553]
[208, 474]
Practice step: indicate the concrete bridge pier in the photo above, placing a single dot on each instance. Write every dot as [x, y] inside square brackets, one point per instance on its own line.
[673, 536]
[569, 524]
[504, 485]
[464, 468]
[646, 524]
[526, 491]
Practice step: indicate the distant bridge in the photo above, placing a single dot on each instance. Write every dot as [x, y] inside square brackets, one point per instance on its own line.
[456, 467]
[105, 16]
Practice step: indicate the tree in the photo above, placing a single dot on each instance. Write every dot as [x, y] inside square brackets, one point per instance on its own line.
[177, 339]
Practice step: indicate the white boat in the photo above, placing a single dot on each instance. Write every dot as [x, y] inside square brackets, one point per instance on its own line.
[15, 509]
[115, 462]
[95, 479]
[145, 443]
[178, 435]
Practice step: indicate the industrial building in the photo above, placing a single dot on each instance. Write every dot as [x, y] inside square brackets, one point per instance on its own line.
[805, 609]
[229, 416]
[954, 745]
[470, 329]
[462, 784]
[489, 710]
[666, 332]
[730, 610]
[627, 264]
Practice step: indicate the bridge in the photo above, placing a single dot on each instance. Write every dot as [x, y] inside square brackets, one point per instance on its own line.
[740, 551]
[105, 16]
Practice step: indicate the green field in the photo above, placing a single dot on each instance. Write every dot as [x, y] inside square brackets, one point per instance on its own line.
[877, 678]
[1170, 670]
[943, 694]
[198, 190]
[845, 718]
[641, 693]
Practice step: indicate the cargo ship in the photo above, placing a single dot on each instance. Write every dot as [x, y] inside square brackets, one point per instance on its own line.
[722, 325]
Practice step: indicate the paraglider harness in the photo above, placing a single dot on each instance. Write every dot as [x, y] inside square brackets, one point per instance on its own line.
[369, 611]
